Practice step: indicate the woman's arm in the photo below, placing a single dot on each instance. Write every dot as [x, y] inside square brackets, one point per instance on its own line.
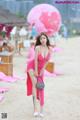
[36, 61]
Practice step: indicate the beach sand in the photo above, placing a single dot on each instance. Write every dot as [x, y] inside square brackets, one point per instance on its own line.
[62, 92]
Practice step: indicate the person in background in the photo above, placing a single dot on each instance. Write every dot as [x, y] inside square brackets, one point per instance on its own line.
[5, 47]
[34, 31]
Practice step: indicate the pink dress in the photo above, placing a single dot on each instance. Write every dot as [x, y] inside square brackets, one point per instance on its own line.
[31, 65]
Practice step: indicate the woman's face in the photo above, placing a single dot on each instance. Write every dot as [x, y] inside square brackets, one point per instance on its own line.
[43, 39]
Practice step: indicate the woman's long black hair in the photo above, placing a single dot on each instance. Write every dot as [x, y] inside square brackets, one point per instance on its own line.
[38, 40]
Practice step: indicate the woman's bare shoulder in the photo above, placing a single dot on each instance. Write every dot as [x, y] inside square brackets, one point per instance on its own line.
[37, 48]
[50, 49]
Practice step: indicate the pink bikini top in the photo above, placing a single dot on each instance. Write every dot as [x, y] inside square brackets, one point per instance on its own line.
[41, 58]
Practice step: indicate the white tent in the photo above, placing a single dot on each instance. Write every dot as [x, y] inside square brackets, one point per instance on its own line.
[14, 30]
[23, 32]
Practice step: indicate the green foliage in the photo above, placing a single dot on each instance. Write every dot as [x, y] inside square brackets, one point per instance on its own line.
[3, 34]
[39, 1]
[20, 15]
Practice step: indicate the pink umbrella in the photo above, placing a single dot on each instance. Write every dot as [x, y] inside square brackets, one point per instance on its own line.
[46, 18]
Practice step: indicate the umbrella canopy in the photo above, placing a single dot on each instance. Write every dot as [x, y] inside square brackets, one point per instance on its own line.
[46, 18]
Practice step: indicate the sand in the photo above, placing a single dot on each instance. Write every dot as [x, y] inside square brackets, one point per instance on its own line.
[62, 93]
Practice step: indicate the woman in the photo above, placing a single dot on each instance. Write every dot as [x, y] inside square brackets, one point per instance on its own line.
[5, 47]
[36, 68]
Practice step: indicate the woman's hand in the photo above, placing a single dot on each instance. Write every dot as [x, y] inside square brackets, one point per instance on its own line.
[42, 72]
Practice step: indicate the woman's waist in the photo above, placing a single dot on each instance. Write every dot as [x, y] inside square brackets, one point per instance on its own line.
[32, 63]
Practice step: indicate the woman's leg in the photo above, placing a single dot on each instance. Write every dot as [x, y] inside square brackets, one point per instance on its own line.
[34, 80]
[41, 97]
